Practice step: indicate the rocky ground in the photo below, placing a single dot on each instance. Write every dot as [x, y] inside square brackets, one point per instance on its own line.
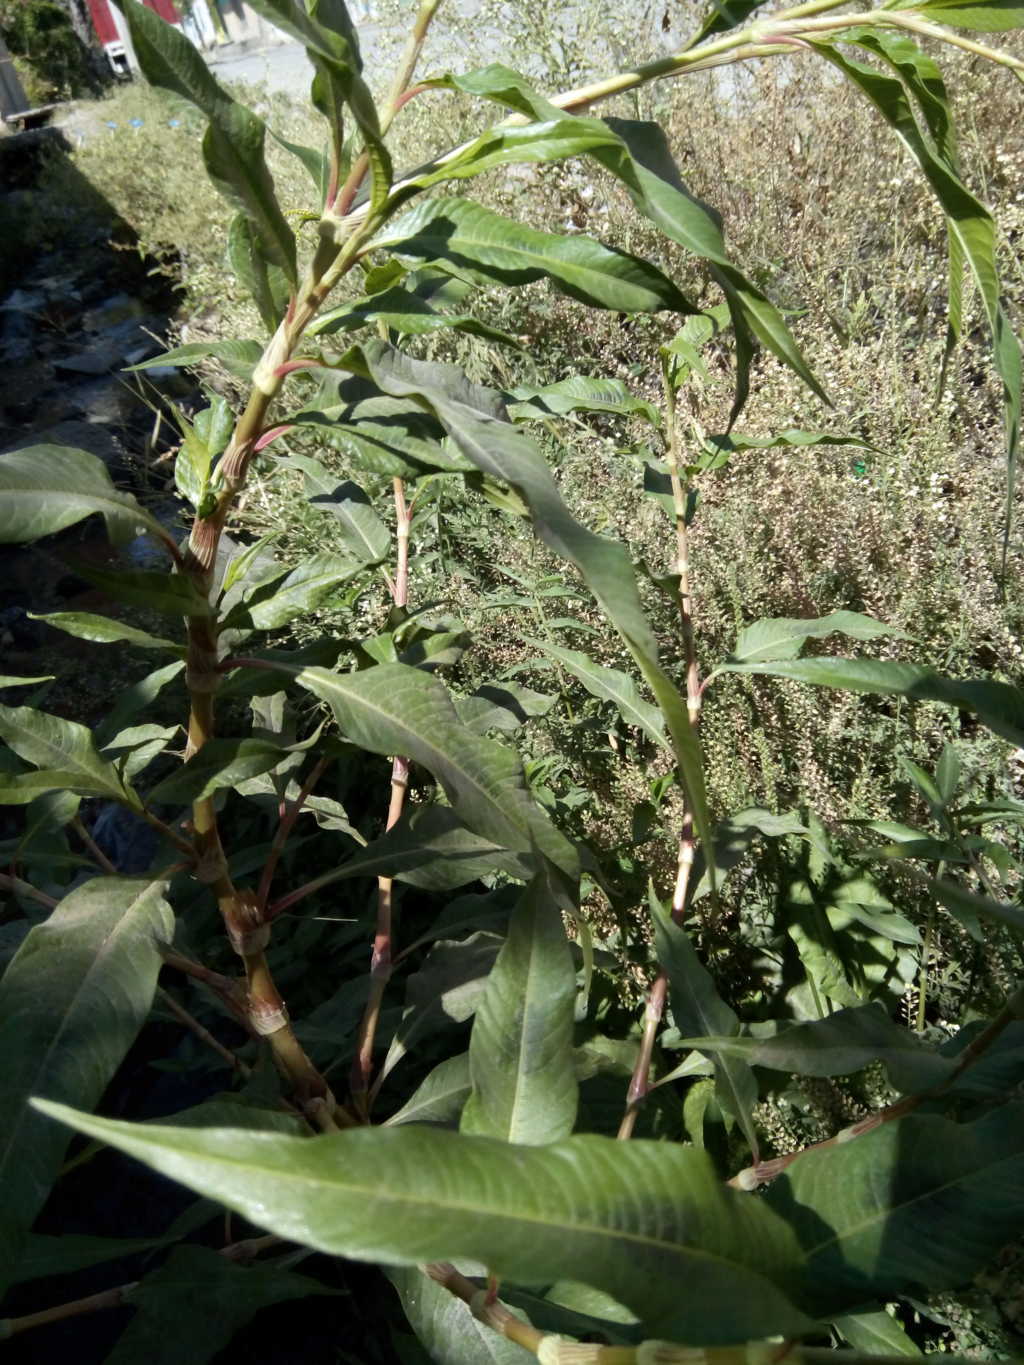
[72, 318]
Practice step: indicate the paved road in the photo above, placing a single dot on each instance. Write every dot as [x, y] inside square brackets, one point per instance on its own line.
[284, 67]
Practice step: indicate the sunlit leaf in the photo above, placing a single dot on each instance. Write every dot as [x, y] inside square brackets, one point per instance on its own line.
[520, 1050]
[219, 763]
[496, 250]
[698, 1009]
[60, 747]
[45, 488]
[361, 529]
[103, 630]
[233, 144]
[636, 1219]
[998, 705]
[472, 417]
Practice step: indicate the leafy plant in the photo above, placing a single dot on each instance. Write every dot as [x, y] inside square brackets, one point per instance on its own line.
[595, 1240]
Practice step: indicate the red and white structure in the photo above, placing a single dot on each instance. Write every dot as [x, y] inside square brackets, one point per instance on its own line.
[237, 23]
[112, 31]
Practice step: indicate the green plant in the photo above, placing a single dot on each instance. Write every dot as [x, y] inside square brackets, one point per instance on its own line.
[594, 1239]
[55, 62]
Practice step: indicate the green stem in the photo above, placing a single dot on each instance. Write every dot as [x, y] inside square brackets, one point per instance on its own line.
[926, 948]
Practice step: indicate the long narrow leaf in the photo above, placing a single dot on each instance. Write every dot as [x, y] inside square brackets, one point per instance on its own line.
[472, 417]
[520, 1051]
[636, 1219]
[71, 1003]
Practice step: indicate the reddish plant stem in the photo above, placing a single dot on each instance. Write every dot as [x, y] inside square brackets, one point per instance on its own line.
[764, 1171]
[23, 888]
[383, 946]
[228, 990]
[203, 1034]
[244, 1251]
[485, 1307]
[284, 829]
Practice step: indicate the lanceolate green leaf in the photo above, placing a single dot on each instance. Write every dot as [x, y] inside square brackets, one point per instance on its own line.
[998, 705]
[579, 393]
[135, 699]
[219, 763]
[384, 435]
[395, 709]
[233, 145]
[64, 747]
[697, 1008]
[609, 684]
[724, 15]
[784, 637]
[471, 416]
[174, 594]
[431, 848]
[43, 489]
[71, 1003]
[446, 1328]
[637, 1219]
[405, 312]
[273, 604]
[362, 530]
[984, 16]
[915, 1206]
[266, 282]
[968, 905]
[520, 1051]
[102, 630]
[876, 1334]
[440, 1096]
[970, 223]
[637, 154]
[497, 250]
[239, 357]
[325, 30]
[839, 1045]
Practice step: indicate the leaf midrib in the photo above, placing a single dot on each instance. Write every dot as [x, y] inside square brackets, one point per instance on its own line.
[382, 1195]
[571, 269]
[445, 757]
[67, 761]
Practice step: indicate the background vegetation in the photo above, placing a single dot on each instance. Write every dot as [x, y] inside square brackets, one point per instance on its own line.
[905, 528]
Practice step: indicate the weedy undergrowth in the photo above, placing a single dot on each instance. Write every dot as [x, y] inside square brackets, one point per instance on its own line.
[498, 1162]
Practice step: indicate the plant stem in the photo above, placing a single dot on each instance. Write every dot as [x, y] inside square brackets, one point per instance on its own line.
[227, 989]
[246, 1250]
[108, 1298]
[764, 1171]
[383, 946]
[23, 888]
[408, 62]
[492, 1314]
[95, 851]
[203, 1034]
[639, 1084]
[926, 948]
[284, 829]
[172, 836]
